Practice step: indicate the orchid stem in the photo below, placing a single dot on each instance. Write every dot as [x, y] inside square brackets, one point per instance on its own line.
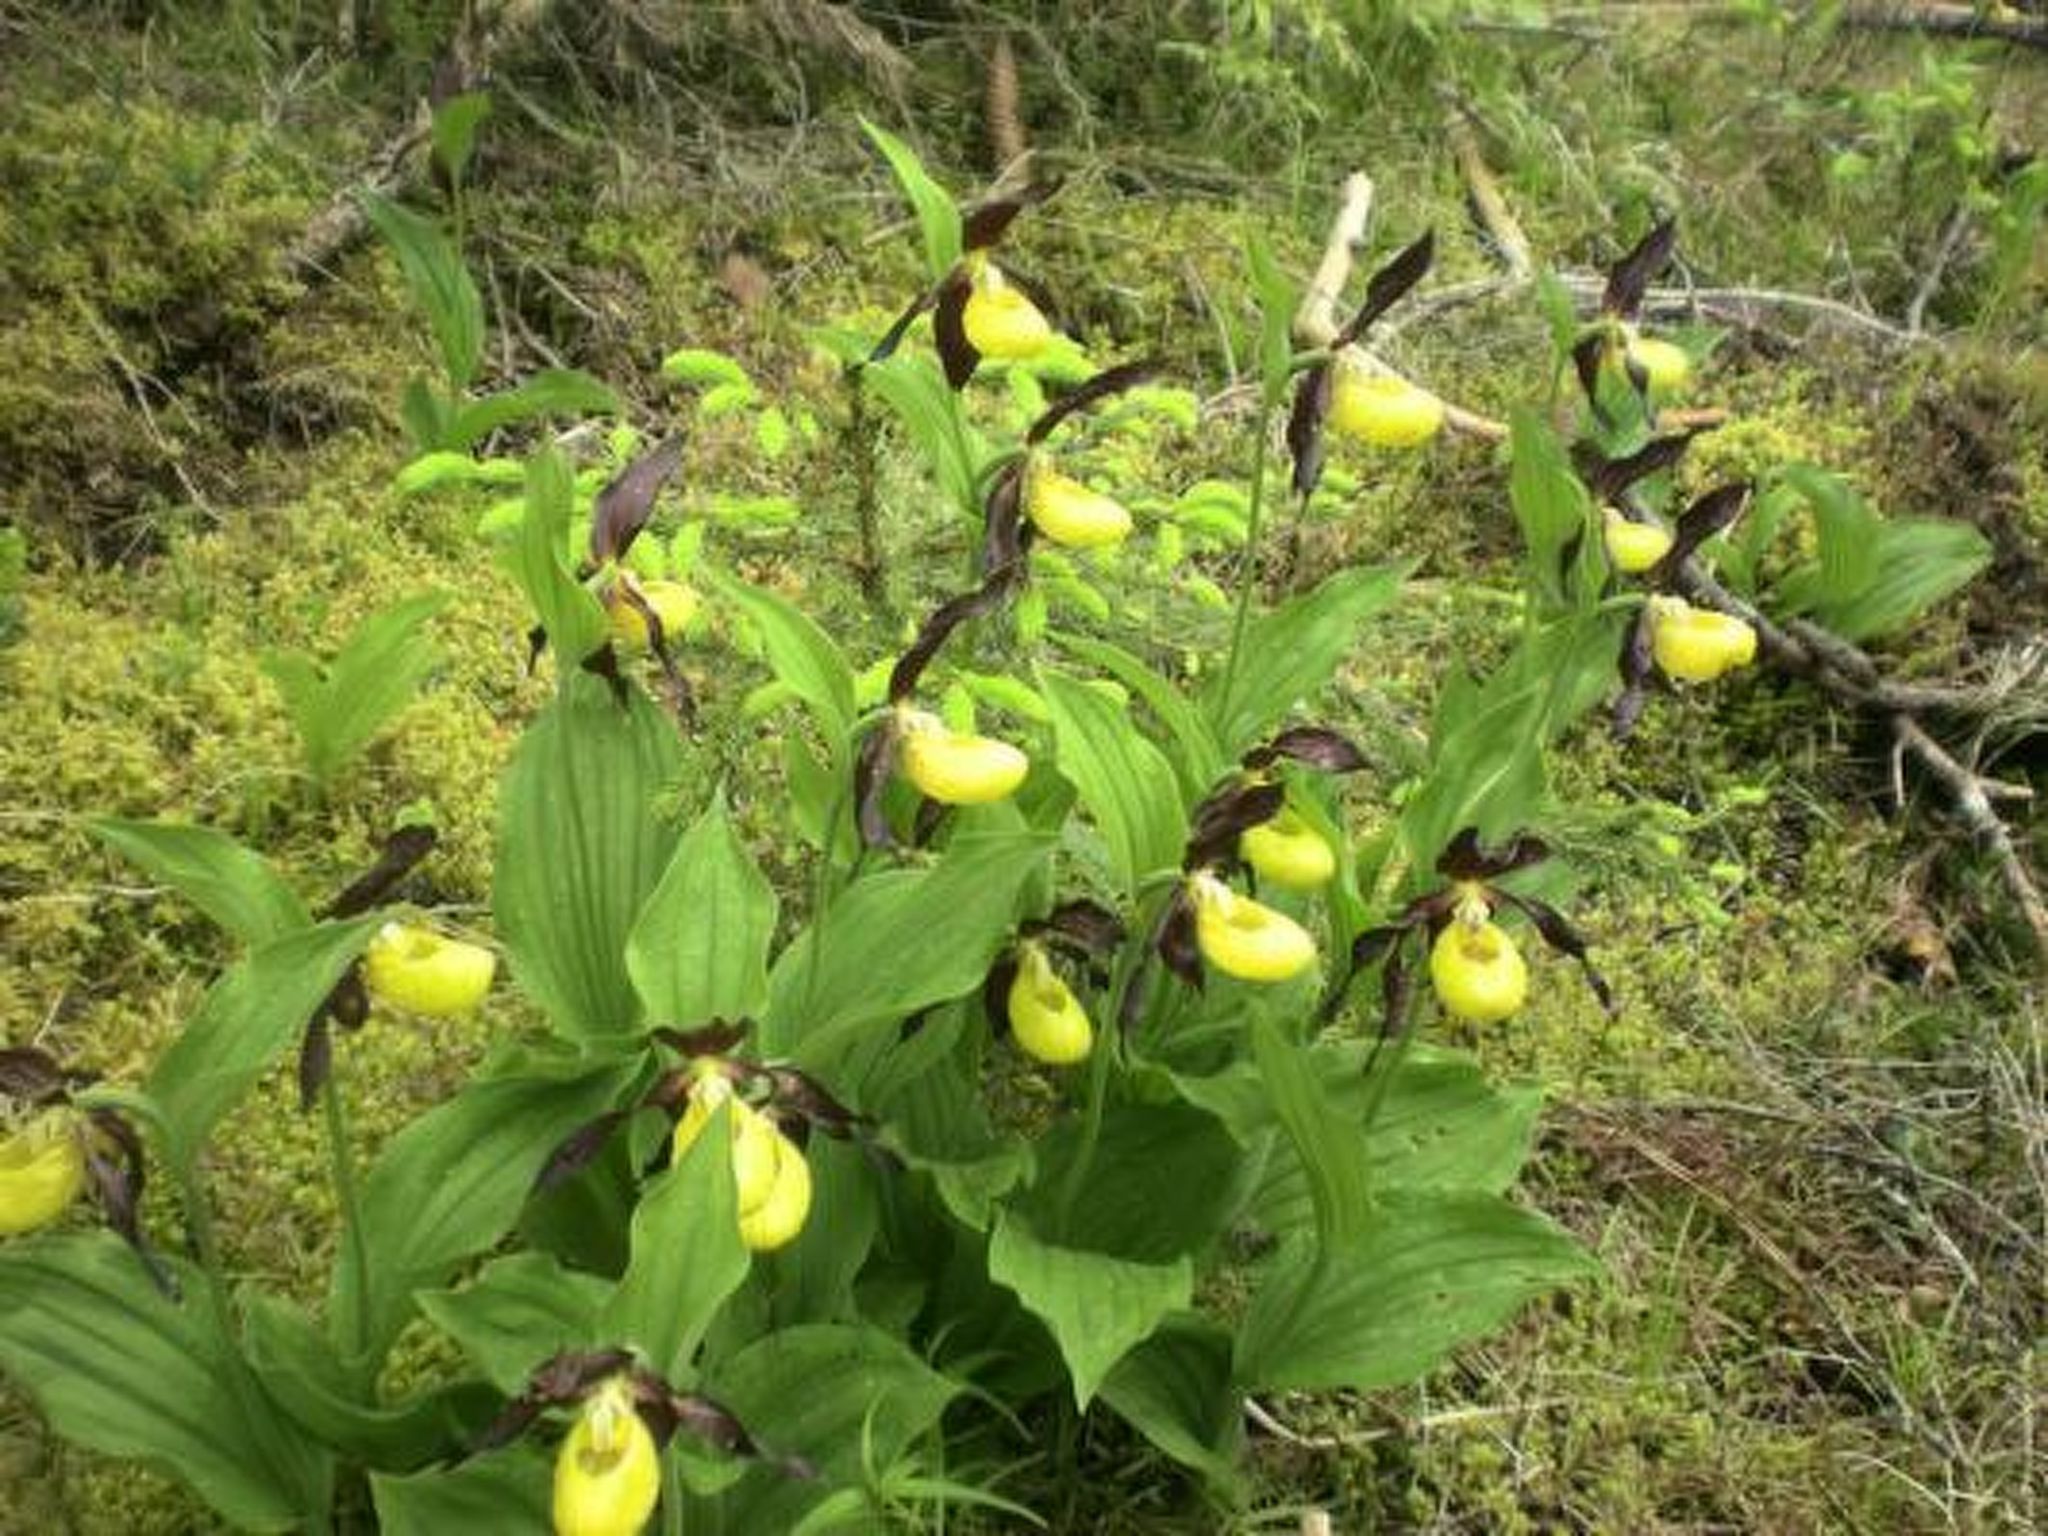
[348, 1201]
[1248, 566]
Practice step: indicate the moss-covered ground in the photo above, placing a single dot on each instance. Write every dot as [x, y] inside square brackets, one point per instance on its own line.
[1809, 1150]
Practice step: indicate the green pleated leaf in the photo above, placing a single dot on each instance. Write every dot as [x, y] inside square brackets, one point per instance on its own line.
[1291, 653]
[687, 1256]
[1327, 1143]
[234, 886]
[1160, 1185]
[1390, 1304]
[580, 848]
[505, 1491]
[699, 950]
[1098, 1308]
[802, 655]
[1176, 1390]
[339, 706]
[301, 1371]
[811, 1280]
[896, 942]
[255, 1013]
[537, 558]
[937, 219]
[551, 392]
[518, 1311]
[440, 285]
[1550, 503]
[116, 1366]
[833, 1394]
[1197, 757]
[1920, 561]
[453, 1182]
[1124, 781]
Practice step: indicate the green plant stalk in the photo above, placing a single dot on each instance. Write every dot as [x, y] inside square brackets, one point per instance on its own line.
[873, 575]
[671, 1495]
[1247, 570]
[348, 1201]
[256, 1407]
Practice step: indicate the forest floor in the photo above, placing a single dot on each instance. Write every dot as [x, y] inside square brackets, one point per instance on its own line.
[1811, 1152]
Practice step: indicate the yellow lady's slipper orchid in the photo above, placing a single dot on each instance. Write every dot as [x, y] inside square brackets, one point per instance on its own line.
[1697, 645]
[1246, 938]
[608, 1471]
[1382, 410]
[42, 1170]
[1478, 973]
[1068, 512]
[1000, 319]
[777, 1219]
[674, 603]
[1288, 852]
[770, 1177]
[416, 969]
[1633, 547]
[1665, 366]
[1048, 1020]
[954, 767]
[1475, 967]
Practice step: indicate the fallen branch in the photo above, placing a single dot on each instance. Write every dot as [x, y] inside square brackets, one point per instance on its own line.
[1489, 204]
[342, 224]
[1850, 677]
[1835, 665]
[1998, 22]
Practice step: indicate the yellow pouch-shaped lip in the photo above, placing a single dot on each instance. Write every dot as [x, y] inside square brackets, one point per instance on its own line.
[414, 968]
[955, 768]
[1382, 410]
[674, 604]
[1633, 548]
[42, 1171]
[1664, 364]
[1697, 645]
[1000, 320]
[608, 1471]
[1246, 938]
[1048, 1020]
[1289, 853]
[1477, 972]
[1069, 513]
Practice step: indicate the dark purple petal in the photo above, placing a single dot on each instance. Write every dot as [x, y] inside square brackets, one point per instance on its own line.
[995, 994]
[401, 853]
[714, 1039]
[984, 226]
[30, 1075]
[873, 766]
[624, 506]
[1636, 666]
[1608, 479]
[1466, 859]
[1224, 817]
[1560, 935]
[1387, 285]
[1087, 927]
[949, 329]
[1588, 353]
[1312, 396]
[1176, 945]
[1104, 385]
[1629, 279]
[1005, 534]
[1313, 746]
[1713, 512]
[579, 1150]
[893, 337]
[117, 1183]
